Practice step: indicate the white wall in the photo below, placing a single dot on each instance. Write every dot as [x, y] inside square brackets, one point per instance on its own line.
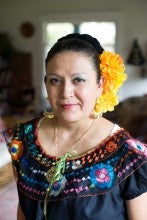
[135, 85]
[14, 13]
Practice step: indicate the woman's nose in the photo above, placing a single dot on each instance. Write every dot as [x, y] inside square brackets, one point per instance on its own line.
[67, 89]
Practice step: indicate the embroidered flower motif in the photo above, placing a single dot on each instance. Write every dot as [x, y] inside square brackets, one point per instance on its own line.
[112, 69]
[76, 164]
[102, 175]
[56, 178]
[28, 128]
[67, 165]
[58, 186]
[111, 146]
[138, 147]
[16, 149]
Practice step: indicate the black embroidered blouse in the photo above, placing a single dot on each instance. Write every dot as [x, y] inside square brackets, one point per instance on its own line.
[94, 186]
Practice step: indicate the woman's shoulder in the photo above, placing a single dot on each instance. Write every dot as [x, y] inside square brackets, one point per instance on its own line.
[128, 157]
[136, 146]
[126, 141]
[19, 127]
[133, 169]
[132, 151]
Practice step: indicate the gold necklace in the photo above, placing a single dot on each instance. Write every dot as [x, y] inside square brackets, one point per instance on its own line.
[72, 150]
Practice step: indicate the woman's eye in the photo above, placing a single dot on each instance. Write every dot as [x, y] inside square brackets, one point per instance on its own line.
[55, 81]
[79, 80]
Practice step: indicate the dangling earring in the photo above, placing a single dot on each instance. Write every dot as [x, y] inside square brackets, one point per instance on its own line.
[48, 114]
[98, 110]
[96, 115]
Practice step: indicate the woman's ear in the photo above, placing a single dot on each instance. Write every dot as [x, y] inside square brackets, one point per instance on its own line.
[100, 86]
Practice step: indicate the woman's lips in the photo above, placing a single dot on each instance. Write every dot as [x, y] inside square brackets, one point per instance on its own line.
[68, 106]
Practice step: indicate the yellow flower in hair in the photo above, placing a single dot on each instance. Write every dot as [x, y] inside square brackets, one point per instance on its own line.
[112, 69]
[106, 103]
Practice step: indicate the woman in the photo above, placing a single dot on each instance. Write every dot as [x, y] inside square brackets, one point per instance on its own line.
[72, 163]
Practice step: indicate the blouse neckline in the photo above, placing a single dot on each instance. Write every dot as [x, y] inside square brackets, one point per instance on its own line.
[114, 135]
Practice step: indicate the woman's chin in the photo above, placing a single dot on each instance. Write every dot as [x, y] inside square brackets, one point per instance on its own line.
[69, 117]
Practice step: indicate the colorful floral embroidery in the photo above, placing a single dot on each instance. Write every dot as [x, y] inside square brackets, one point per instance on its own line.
[28, 128]
[111, 146]
[102, 175]
[137, 146]
[96, 172]
[16, 149]
[76, 164]
[58, 186]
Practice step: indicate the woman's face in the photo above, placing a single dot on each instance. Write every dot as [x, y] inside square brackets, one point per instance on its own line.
[72, 86]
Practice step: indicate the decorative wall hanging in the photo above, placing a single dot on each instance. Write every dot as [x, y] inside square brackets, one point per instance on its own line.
[136, 56]
[27, 29]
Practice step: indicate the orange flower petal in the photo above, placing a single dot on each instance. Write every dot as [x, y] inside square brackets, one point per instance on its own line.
[112, 69]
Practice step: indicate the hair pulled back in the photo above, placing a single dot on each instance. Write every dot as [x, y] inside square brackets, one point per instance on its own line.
[80, 43]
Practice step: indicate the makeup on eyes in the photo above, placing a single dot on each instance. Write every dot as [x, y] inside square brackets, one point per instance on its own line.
[75, 78]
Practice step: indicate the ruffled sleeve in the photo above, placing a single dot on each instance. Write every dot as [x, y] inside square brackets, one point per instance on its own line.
[136, 183]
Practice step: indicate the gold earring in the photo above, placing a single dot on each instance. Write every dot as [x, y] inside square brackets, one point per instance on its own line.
[96, 115]
[49, 114]
[98, 109]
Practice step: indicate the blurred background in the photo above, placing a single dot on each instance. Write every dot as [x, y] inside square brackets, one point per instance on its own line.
[27, 31]
[29, 28]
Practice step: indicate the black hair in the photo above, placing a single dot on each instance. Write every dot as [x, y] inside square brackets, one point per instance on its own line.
[81, 43]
